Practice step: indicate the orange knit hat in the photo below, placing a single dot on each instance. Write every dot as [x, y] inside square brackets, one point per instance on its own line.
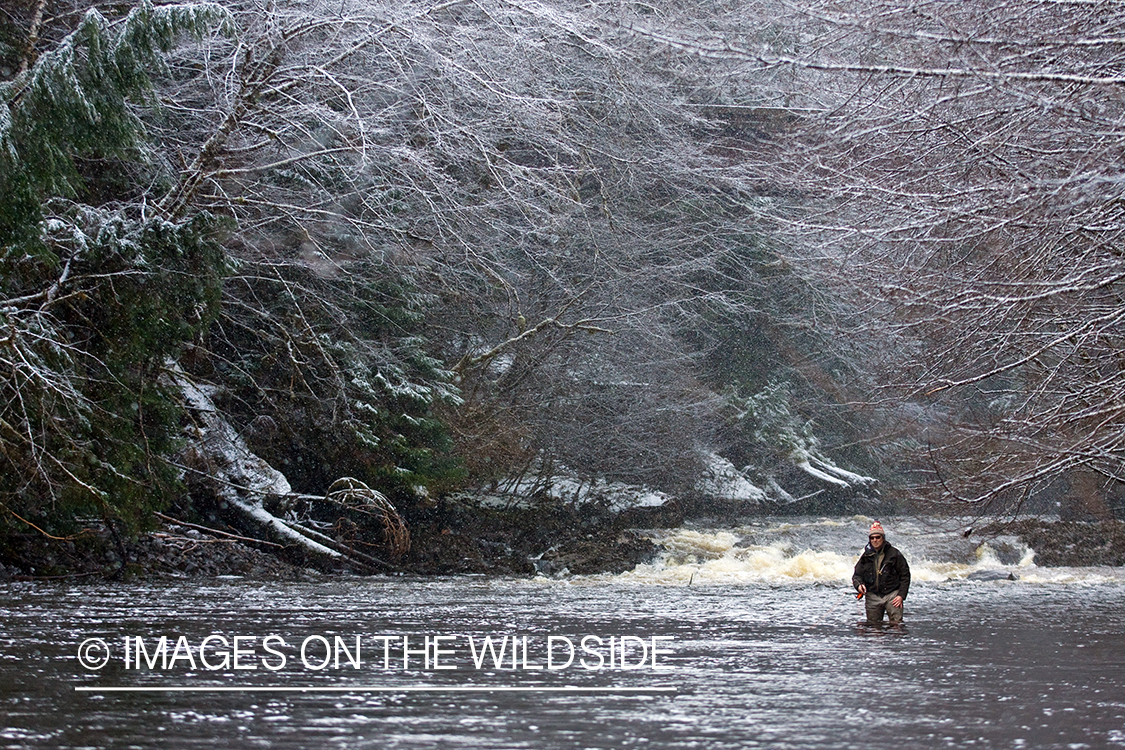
[877, 528]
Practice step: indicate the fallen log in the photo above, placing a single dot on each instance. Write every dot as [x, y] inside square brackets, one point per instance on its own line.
[215, 532]
[228, 482]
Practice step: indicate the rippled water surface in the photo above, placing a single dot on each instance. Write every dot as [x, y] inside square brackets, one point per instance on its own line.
[766, 649]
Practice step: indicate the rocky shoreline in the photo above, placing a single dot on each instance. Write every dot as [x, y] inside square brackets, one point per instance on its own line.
[521, 542]
[454, 541]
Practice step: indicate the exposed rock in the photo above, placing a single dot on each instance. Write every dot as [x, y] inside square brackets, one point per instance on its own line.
[1069, 543]
[598, 555]
[990, 575]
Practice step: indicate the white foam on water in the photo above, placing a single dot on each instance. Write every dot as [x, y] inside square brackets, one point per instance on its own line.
[825, 550]
[774, 563]
[1079, 576]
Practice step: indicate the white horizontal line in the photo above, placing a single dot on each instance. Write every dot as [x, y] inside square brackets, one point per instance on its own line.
[368, 689]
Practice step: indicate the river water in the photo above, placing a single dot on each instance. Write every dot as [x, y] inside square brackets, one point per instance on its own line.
[738, 638]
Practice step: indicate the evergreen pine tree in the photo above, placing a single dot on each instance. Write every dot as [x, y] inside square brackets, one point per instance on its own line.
[96, 292]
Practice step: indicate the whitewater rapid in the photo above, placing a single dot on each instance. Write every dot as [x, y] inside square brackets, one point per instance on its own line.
[824, 551]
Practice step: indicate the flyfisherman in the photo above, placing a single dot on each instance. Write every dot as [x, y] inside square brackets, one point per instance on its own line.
[881, 576]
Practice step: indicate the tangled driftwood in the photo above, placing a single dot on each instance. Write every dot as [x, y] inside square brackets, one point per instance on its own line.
[230, 484]
[355, 496]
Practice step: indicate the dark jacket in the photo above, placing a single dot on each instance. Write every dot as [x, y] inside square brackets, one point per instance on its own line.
[894, 575]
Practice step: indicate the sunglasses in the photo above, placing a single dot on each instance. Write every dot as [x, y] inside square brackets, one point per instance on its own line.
[875, 536]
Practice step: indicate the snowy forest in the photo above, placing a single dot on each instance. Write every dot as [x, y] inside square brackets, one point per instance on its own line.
[801, 254]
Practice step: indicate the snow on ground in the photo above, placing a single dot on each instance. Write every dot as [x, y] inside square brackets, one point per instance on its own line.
[721, 480]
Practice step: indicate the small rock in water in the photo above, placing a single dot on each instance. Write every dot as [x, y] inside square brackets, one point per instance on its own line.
[990, 575]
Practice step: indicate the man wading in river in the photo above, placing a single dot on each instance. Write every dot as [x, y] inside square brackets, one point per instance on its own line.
[882, 576]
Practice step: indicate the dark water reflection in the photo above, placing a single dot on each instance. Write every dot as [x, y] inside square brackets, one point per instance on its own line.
[978, 664]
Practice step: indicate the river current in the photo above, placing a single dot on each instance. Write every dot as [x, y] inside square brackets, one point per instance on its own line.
[741, 637]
